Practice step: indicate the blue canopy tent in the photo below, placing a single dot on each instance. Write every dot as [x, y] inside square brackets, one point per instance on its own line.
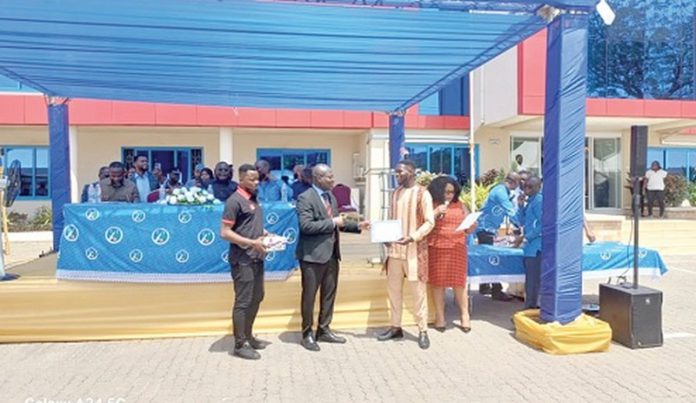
[384, 56]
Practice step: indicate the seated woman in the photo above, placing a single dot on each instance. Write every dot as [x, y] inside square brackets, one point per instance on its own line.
[205, 179]
[447, 251]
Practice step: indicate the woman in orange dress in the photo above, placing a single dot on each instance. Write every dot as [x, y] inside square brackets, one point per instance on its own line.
[447, 251]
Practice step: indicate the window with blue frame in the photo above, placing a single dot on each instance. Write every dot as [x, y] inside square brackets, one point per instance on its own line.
[183, 159]
[35, 171]
[676, 161]
[449, 159]
[284, 159]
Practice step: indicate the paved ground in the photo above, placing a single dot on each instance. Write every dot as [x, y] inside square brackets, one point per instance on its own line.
[486, 365]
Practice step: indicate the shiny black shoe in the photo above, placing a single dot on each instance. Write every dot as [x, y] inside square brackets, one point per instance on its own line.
[328, 336]
[485, 289]
[246, 352]
[309, 343]
[423, 340]
[258, 344]
[393, 333]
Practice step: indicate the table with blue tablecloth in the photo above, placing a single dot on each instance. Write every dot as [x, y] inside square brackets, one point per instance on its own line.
[161, 243]
[491, 264]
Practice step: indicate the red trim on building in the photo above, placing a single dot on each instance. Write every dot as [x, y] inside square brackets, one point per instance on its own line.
[531, 96]
[31, 110]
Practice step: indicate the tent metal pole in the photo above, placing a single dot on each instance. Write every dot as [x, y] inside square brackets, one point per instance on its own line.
[472, 145]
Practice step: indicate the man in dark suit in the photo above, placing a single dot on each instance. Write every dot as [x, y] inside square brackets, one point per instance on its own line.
[319, 254]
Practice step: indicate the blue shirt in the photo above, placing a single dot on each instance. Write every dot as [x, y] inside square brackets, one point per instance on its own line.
[298, 188]
[269, 191]
[533, 225]
[497, 206]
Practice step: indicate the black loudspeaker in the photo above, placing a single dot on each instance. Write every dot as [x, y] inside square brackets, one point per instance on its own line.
[634, 314]
[639, 150]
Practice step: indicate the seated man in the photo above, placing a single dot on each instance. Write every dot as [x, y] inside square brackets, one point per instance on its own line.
[103, 174]
[116, 188]
[173, 181]
[223, 185]
[270, 188]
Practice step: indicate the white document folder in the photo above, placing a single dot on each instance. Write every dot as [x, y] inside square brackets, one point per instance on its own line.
[385, 231]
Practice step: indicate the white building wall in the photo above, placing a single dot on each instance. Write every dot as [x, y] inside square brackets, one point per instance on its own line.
[495, 89]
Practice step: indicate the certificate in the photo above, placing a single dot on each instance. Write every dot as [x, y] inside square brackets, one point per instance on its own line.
[385, 231]
[468, 221]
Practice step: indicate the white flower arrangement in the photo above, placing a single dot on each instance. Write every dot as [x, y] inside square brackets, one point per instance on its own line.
[194, 196]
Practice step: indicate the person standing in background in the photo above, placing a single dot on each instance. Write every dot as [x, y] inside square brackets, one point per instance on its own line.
[655, 185]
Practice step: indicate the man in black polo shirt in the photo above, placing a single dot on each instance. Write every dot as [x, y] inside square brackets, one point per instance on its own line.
[242, 226]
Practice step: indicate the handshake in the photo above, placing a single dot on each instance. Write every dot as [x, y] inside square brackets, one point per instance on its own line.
[341, 222]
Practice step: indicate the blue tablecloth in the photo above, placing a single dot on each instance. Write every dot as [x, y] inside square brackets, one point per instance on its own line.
[159, 243]
[490, 264]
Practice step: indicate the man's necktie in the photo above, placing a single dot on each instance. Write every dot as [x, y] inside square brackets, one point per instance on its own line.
[327, 204]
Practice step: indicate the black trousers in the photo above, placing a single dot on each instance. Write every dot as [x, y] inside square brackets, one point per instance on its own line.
[487, 238]
[248, 294]
[659, 196]
[323, 277]
[532, 284]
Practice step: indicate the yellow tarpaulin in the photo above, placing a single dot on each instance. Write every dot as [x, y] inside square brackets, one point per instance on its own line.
[584, 335]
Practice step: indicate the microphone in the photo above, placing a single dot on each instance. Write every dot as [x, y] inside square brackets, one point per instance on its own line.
[442, 215]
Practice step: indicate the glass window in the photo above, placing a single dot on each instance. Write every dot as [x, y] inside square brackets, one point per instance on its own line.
[183, 159]
[419, 155]
[34, 170]
[462, 164]
[692, 166]
[675, 162]
[647, 53]
[441, 159]
[274, 160]
[292, 159]
[317, 157]
[453, 160]
[286, 158]
[606, 173]
[525, 153]
[41, 173]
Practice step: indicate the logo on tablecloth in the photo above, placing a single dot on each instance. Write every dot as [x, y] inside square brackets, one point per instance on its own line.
[642, 253]
[138, 216]
[136, 255]
[206, 237]
[270, 256]
[91, 253]
[113, 235]
[185, 217]
[71, 233]
[182, 256]
[225, 256]
[272, 218]
[606, 255]
[494, 260]
[291, 235]
[92, 214]
[160, 236]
